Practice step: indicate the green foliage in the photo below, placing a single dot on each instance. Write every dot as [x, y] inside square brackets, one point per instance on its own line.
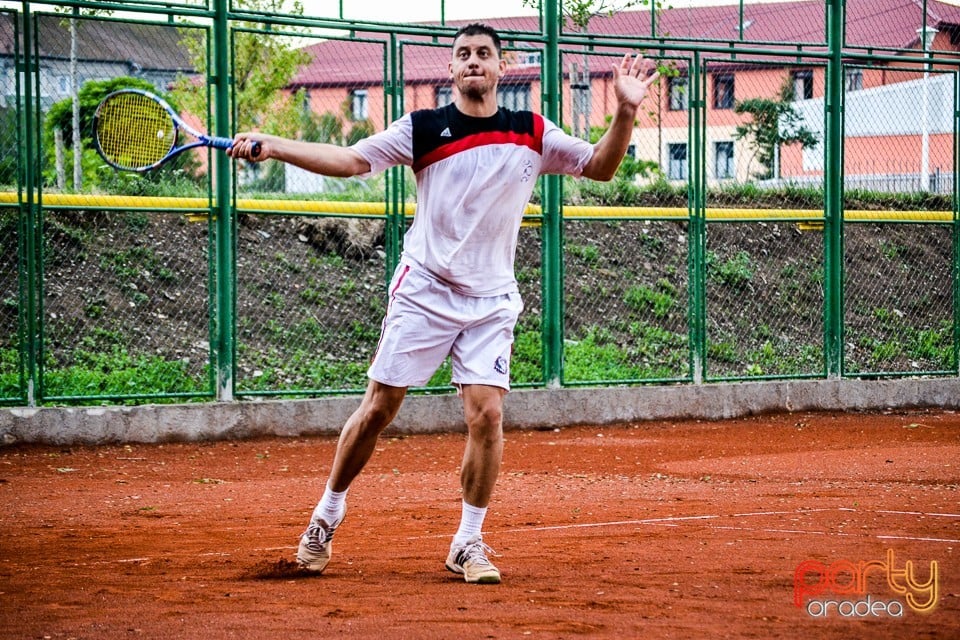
[263, 66]
[116, 373]
[321, 127]
[9, 146]
[173, 180]
[589, 253]
[599, 355]
[91, 94]
[526, 364]
[360, 130]
[580, 12]
[735, 271]
[95, 171]
[774, 122]
[642, 298]
[9, 373]
[895, 337]
[442, 376]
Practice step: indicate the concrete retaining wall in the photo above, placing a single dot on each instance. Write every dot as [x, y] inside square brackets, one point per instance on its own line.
[524, 409]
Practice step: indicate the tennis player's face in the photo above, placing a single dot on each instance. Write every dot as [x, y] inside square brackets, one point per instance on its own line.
[476, 68]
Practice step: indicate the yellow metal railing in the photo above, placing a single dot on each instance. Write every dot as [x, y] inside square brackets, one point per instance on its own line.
[250, 205]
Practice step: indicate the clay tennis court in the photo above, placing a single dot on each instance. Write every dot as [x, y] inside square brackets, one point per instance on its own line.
[655, 529]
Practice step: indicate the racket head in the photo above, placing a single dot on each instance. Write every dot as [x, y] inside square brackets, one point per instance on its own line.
[133, 130]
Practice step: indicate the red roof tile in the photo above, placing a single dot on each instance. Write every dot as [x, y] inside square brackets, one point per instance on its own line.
[870, 23]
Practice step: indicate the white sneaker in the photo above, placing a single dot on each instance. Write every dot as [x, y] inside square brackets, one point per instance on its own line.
[315, 549]
[470, 560]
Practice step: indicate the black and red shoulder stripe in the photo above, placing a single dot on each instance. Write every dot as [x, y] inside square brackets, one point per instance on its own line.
[441, 133]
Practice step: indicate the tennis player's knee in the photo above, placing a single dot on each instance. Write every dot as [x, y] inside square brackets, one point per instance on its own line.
[380, 405]
[376, 416]
[485, 422]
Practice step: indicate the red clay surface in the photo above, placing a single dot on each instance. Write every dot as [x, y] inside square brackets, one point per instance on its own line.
[655, 530]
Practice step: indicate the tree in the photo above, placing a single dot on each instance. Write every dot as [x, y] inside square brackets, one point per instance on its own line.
[81, 108]
[263, 66]
[74, 91]
[579, 13]
[9, 124]
[774, 122]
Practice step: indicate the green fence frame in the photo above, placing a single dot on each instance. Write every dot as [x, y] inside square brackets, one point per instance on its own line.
[220, 15]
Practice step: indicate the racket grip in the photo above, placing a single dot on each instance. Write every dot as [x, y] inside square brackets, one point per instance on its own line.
[220, 143]
[227, 143]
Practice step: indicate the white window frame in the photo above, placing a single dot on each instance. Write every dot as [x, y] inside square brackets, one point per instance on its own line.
[724, 166]
[515, 97]
[678, 168]
[359, 104]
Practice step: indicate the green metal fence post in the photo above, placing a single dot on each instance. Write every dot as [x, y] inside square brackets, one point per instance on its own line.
[552, 227]
[29, 228]
[833, 194]
[956, 223]
[223, 210]
[696, 250]
[395, 222]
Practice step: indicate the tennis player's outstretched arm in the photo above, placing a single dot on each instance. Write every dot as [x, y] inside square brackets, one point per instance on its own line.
[630, 86]
[325, 159]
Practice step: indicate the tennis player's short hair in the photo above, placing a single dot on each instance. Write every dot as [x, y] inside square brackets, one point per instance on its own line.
[480, 29]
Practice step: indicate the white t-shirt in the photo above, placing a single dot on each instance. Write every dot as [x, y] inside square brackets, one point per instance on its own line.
[474, 180]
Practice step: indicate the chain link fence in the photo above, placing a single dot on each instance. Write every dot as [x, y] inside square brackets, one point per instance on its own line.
[711, 256]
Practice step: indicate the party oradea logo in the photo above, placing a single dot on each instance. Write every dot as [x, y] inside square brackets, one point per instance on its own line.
[865, 589]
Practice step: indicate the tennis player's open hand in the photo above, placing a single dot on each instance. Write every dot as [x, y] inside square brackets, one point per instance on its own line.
[632, 79]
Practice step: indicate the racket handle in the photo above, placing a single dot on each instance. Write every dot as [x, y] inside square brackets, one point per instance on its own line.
[227, 143]
[219, 143]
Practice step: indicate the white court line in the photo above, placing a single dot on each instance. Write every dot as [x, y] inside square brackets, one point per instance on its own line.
[917, 539]
[922, 513]
[837, 534]
[678, 521]
[672, 521]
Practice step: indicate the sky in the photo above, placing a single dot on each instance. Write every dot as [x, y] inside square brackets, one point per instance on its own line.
[429, 10]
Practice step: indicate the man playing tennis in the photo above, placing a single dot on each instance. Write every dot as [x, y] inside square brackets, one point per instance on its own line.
[454, 291]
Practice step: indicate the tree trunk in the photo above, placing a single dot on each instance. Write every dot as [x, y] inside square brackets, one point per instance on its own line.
[58, 148]
[75, 90]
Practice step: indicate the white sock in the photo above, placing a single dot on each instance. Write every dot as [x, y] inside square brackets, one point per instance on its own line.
[471, 522]
[331, 506]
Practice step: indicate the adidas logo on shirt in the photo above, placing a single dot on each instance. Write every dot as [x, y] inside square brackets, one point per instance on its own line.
[446, 133]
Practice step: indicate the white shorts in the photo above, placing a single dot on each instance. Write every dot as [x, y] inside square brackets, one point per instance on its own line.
[426, 321]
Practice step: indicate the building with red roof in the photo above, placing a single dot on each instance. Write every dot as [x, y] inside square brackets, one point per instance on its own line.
[773, 44]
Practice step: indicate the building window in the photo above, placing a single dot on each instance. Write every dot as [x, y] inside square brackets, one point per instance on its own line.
[515, 97]
[358, 101]
[677, 154]
[679, 93]
[444, 96]
[802, 85]
[853, 79]
[523, 58]
[723, 91]
[723, 159]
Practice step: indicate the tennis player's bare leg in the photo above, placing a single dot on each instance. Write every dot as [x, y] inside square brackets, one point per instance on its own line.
[358, 439]
[483, 410]
[356, 445]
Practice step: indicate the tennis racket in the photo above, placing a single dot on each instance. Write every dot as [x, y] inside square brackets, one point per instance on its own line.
[135, 130]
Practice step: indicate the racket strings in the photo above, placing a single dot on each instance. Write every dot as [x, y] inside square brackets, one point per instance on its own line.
[134, 131]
